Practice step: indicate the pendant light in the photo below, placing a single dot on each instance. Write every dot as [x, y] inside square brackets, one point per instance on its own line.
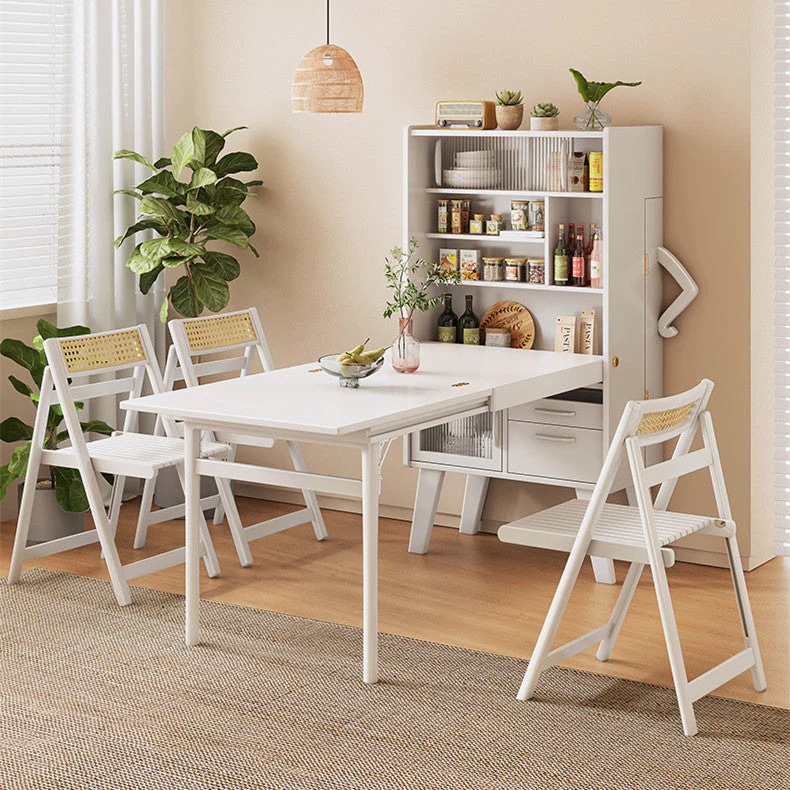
[327, 80]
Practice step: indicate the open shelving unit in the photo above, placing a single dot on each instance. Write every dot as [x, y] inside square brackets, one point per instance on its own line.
[560, 441]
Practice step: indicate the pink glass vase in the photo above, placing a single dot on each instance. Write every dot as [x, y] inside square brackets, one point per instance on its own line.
[405, 348]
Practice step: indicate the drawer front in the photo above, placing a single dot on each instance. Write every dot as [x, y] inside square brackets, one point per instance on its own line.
[559, 412]
[472, 442]
[554, 451]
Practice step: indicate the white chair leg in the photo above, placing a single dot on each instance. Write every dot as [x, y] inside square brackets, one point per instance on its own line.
[25, 514]
[208, 553]
[672, 639]
[234, 522]
[116, 499]
[144, 517]
[552, 621]
[309, 496]
[219, 509]
[104, 532]
[620, 609]
[745, 612]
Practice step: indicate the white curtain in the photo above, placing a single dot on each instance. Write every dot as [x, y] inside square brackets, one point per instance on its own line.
[116, 100]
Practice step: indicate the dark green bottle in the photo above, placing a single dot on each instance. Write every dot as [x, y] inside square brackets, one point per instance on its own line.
[447, 325]
[469, 326]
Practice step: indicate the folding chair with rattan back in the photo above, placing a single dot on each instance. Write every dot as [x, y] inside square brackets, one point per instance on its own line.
[229, 343]
[640, 535]
[74, 365]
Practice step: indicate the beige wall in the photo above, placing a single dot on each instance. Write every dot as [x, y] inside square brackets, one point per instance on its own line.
[331, 204]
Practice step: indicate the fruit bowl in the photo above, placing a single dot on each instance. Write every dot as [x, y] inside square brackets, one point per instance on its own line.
[349, 374]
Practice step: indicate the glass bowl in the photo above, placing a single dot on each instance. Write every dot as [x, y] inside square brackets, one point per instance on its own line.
[348, 374]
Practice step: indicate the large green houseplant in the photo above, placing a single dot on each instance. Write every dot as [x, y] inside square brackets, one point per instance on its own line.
[66, 482]
[190, 215]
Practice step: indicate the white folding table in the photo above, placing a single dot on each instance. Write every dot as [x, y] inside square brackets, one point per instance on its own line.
[305, 404]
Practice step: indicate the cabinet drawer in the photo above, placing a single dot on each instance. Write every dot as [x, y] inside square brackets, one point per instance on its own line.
[559, 412]
[554, 451]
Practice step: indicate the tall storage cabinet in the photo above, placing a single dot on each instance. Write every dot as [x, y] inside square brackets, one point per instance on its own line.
[561, 441]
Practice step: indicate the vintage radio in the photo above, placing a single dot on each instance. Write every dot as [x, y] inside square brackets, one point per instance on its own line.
[465, 114]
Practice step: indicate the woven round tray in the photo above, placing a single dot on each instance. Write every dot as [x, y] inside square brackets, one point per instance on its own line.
[515, 318]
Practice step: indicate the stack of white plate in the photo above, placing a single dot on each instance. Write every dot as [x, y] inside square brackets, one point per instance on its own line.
[473, 170]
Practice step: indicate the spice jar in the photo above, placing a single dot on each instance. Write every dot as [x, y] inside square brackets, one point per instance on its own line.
[519, 219]
[494, 269]
[494, 225]
[537, 215]
[514, 269]
[536, 273]
[457, 216]
[476, 224]
[443, 216]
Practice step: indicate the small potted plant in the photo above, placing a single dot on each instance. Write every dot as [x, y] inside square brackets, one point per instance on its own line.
[410, 282]
[592, 117]
[543, 117]
[60, 499]
[509, 109]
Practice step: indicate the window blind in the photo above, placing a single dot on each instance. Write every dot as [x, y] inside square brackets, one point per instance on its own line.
[33, 83]
[782, 274]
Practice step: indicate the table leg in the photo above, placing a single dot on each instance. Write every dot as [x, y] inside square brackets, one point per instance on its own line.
[192, 521]
[370, 559]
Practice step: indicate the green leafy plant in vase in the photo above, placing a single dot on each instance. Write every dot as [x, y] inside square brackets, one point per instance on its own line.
[66, 483]
[189, 215]
[543, 117]
[593, 118]
[412, 282]
[509, 110]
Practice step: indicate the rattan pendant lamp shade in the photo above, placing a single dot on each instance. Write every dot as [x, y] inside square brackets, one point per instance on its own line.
[327, 80]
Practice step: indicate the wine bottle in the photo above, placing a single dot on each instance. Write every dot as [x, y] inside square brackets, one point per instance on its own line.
[579, 270]
[596, 261]
[447, 325]
[469, 326]
[561, 259]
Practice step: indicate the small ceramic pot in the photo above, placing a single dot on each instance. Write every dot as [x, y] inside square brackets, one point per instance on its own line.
[544, 124]
[509, 116]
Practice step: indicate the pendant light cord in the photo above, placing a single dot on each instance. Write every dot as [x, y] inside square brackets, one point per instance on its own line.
[327, 22]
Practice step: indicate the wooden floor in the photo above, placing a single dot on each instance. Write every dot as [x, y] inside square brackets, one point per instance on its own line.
[471, 591]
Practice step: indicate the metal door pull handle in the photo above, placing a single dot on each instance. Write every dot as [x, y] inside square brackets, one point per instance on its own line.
[549, 438]
[558, 412]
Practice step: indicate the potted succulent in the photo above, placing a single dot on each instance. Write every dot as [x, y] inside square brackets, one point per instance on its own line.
[509, 109]
[543, 117]
[189, 214]
[593, 117]
[60, 499]
[410, 282]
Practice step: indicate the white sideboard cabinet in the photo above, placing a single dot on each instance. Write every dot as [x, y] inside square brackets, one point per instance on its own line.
[560, 440]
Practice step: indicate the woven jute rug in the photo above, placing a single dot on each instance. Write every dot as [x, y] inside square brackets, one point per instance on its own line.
[96, 696]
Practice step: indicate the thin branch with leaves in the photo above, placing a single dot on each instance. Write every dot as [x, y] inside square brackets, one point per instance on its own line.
[411, 281]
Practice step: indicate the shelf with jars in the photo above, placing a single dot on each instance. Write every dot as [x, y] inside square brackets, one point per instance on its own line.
[491, 172]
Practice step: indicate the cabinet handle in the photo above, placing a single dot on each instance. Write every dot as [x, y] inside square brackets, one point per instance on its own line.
[558, 412]
[547, 437]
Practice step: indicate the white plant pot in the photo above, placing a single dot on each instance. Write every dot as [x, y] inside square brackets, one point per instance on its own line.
[49, 520]
[544, 124]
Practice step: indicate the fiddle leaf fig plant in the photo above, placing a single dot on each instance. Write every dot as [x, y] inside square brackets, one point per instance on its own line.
[67, 483]
[192, 201]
